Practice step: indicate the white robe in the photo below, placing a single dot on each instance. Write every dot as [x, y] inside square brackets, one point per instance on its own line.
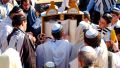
[5, 30]
[102, 55]
[10, 59]
[57, 52]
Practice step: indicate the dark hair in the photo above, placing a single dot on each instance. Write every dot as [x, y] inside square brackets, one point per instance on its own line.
[16, 9]
[93, 42]
[86, 15]
[115, 11]
[57, 35]
[117, 30]
[87, 57]
[22, 1]
[17, 20]
[107, 17]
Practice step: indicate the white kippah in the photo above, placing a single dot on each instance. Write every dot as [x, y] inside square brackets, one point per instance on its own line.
[88, 49]
[84, 25]
[50, 64]
[91, 33]
[56, 28]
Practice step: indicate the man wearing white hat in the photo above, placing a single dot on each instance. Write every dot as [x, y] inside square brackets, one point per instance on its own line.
[87, 56]
[56, 50]
[92, 38]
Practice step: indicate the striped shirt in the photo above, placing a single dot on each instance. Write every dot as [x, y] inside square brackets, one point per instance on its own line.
[101, 6]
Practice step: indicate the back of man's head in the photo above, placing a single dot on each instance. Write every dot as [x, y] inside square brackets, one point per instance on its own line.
[57, 30]
[17, 20]
[14, 11]
[87, 55]
[92, 38]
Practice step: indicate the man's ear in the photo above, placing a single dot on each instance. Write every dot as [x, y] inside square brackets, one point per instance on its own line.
[23, 23]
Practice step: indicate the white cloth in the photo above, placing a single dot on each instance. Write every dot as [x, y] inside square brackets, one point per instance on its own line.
[6, 29]
[91, 33]
[11, 59]
[38, 23]
[2, 13]
[8, 7]
[74, 63]
[56, 51]
[72, 28]
[117, 24]
[102, 56]
[79, 31]
[4, 61]
[65, 3]
[116, 58]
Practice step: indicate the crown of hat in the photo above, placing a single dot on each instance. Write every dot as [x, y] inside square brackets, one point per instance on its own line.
[56, 28]
[88, 49]
[91, 33]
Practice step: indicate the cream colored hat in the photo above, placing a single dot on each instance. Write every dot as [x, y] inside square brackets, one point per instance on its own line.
[91, 33]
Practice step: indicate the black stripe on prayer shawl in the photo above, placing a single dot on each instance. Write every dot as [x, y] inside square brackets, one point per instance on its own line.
[104, 33]
[113, 2]
[99, 29]
[105, 7]
[108, 29]
[110, 3]
[99, 6]
[96, 1]
[105, 30]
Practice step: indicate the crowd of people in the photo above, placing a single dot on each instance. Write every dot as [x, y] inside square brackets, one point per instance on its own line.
[22, 45]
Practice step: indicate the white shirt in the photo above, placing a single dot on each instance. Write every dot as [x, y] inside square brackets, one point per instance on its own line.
[117, 24]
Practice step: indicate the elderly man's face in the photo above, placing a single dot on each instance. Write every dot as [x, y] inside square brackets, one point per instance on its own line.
[5, 1]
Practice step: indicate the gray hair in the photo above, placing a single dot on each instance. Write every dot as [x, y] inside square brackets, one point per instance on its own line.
[87, 57]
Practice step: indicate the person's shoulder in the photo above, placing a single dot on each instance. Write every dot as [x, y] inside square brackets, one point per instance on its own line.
[18, 35]
[66, 42]
[32, 8]
[118, 23]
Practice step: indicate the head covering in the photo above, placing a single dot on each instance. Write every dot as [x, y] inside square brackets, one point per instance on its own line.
[107, 18]
[56, 28]
[87, 49]
[84, 25]
[49, 64]
[86, 14]
[116, 11]
[91, 33]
